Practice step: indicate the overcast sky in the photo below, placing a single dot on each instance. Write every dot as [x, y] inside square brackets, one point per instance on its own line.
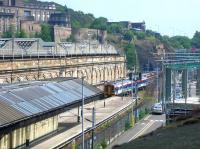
[170, 17]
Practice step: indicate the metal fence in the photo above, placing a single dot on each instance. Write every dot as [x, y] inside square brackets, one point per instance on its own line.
[34, 47]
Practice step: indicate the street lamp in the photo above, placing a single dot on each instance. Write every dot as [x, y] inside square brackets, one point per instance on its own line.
[132, 90]
[82, 111]
[136, 98]
[122, 87]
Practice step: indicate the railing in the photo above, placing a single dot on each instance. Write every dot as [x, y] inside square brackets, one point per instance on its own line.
[37, 48]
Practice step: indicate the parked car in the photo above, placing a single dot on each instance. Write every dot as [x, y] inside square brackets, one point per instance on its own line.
[157, 108]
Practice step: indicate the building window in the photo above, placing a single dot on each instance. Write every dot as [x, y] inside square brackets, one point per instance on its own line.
[12, 2]
[27, 13]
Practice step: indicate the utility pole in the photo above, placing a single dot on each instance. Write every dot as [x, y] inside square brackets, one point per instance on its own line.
[157, 84]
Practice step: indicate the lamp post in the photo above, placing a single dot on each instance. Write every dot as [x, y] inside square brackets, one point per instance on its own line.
[136, 99]
[122, 89]
[132, 84]
[132, 89]
[82, 112]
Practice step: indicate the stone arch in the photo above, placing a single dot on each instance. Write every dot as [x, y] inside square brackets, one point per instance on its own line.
[27, 78]
[35, 77]
[51, 75]
[94, 73]
[7, 80]
[107, 73]
[110, 73]
[44, 76]
[57, 74]
[98, 75]
[85, 74]
[61, 72]
[18, 79]
[121, 71]
[113, 72]
[80, 73]
[89, 74]
[101, 74]
[117, 72]
[68, 74]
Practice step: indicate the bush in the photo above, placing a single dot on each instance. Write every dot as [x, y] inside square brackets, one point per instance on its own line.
[142, 114]
[104, 144]
[127, 125]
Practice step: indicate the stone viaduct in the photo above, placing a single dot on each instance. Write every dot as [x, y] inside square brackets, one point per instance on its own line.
[33, 59]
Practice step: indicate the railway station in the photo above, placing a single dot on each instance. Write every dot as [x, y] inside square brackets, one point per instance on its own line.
[29, 110]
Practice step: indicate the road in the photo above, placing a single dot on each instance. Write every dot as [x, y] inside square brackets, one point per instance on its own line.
[145, 126]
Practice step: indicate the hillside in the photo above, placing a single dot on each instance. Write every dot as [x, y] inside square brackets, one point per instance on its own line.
[171, 137]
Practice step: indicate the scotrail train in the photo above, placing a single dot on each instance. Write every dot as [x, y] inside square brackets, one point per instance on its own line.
[124, 86]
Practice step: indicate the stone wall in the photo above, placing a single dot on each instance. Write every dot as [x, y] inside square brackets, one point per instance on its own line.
[30, 28]
[96, 69]
[89, 34]
[61, 33]
[38, 15]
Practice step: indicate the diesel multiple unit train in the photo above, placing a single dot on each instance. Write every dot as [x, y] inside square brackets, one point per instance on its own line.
[126, 85]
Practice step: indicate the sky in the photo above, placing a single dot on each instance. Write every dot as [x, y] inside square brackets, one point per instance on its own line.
[169, 17]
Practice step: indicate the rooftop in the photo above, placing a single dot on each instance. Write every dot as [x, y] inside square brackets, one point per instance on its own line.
[20, 101]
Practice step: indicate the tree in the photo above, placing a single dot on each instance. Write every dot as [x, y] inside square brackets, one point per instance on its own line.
[99, 23]
[114, 28]
[21, 34]
[9, 33]
[79, 19]
[180, 42]
[196, 40]
[140, 35]
[129, 36]
[46, 33]
[131, 56]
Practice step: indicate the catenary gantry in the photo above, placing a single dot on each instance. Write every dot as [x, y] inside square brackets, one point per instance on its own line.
[173, 62]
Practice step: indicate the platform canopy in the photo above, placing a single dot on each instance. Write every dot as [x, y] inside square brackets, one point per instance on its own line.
[29, 99]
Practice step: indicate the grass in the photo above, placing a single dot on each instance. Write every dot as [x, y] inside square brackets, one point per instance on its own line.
[183, 135]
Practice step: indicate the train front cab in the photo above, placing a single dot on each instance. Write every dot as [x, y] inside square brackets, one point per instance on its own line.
[109, 90]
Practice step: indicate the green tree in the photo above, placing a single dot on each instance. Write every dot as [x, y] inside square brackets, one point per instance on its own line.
[131, 56]
[79, 19]
[46, 33]
[129, 35]
[21, 34]
[114, 28]
[9, 33]
[140, 35]
[196, 40]
[99, 23]
[181, 42]
[76, 24]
